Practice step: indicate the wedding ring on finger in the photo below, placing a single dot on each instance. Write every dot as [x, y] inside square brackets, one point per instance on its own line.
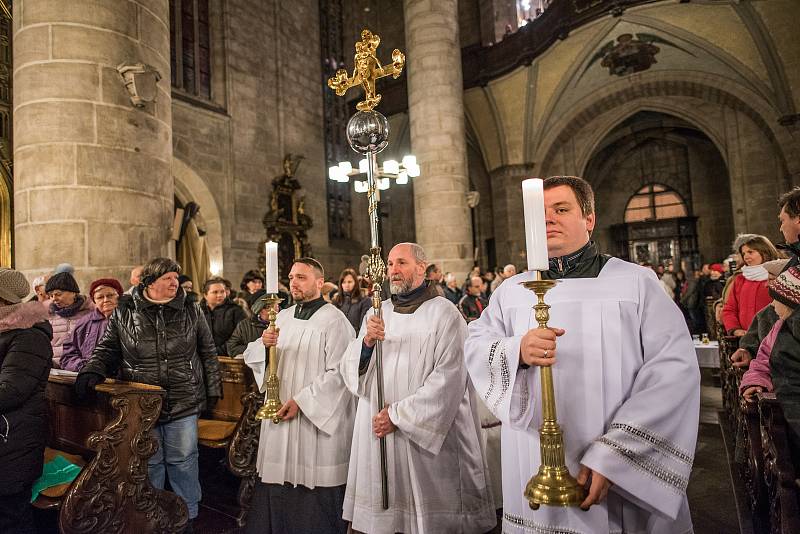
[545, 353]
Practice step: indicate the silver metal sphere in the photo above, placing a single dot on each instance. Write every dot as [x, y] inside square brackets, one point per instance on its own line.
[368, 131]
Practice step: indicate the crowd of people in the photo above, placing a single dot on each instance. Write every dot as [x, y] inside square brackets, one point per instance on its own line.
[459, 361]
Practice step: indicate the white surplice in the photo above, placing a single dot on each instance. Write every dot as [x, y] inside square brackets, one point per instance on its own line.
[627, 388]
[436, 468]
[313, 448]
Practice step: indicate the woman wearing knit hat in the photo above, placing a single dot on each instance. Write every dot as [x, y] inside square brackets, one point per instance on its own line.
[157, 337]
[105, 293]
[785, 292]
[25, 355]
[249, 329]
[67, 307]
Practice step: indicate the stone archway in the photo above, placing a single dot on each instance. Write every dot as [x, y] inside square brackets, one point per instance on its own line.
[190, 187]
[743, 127]
[651, 147]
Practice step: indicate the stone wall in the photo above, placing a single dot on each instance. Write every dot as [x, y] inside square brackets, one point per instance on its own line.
[92, 182]
[273, 107]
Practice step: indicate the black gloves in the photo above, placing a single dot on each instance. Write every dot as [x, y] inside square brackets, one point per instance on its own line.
[85, 383]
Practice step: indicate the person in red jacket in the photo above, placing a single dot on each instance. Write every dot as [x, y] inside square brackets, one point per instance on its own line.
[749, 293]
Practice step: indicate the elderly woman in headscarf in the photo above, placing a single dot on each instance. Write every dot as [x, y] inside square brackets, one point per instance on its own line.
[105, 293]
[249, 329]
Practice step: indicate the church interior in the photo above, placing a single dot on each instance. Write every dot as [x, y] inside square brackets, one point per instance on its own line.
[199, 130]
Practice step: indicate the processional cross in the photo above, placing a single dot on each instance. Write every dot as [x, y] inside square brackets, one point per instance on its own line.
[368, 134]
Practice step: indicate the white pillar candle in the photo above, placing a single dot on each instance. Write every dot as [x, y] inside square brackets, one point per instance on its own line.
[535, 232]
[272, 267]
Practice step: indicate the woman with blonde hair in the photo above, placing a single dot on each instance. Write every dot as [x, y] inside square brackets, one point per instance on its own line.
[748, 294]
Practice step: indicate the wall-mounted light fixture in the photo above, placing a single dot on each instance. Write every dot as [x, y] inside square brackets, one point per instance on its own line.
[141, 82]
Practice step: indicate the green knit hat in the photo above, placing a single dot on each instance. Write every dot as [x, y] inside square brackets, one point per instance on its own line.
[258, 305]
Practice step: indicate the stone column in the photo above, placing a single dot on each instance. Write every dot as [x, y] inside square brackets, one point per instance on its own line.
[509, 224]
[436, 109]
[92, 180]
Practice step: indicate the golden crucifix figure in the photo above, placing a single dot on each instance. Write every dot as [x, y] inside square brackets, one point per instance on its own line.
[367, 70]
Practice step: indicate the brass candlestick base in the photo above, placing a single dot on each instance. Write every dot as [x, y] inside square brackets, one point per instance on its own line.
[552, 485]
[272, 401]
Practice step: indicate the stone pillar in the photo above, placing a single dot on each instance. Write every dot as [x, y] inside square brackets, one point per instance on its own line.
[92, 180]
[509, 223]
[436, 109]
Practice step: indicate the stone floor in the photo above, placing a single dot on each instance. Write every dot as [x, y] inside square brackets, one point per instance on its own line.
[710, 490]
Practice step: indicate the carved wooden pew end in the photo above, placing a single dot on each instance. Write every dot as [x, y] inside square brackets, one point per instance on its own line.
[111, 436]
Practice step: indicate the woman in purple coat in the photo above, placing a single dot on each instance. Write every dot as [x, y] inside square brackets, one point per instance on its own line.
[105, 293]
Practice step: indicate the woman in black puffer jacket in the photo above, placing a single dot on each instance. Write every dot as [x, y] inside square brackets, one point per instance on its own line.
[221, 314]
[160, 338]
[25, 359]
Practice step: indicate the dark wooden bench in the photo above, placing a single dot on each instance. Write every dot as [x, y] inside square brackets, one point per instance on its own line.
[233, 425]
[761, 454]
[216, 429]
[110, 437]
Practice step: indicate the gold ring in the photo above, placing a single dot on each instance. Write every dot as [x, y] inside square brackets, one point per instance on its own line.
[545, 353]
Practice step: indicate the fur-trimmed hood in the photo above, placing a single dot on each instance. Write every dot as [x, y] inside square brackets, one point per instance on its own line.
[22, 315]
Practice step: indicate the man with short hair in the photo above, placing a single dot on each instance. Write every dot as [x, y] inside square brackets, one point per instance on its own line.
[436, 469]
[451, 290]
[302, 461]
[136, 274]
[434, 273]
[507, 272]
[473, 303]
[626, 382]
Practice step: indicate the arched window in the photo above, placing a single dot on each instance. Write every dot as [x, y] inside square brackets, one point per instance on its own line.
[190, 46]
[653, 202]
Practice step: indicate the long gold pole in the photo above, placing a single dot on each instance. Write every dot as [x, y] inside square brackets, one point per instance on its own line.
[552, 485]
[272, 400]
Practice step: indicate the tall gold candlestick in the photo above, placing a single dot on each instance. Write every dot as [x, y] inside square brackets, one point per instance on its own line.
[272, 400]
[552, 485]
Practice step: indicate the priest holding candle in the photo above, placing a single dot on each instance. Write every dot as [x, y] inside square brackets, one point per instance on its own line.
[622, 368]
[304, 447]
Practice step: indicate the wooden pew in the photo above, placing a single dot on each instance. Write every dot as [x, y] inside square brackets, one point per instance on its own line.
[216, 431]
[243, 451]
[779, 476]
[111, 434]
[233, 425]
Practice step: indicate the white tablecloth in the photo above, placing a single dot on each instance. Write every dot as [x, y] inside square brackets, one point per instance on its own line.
[707, 354]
